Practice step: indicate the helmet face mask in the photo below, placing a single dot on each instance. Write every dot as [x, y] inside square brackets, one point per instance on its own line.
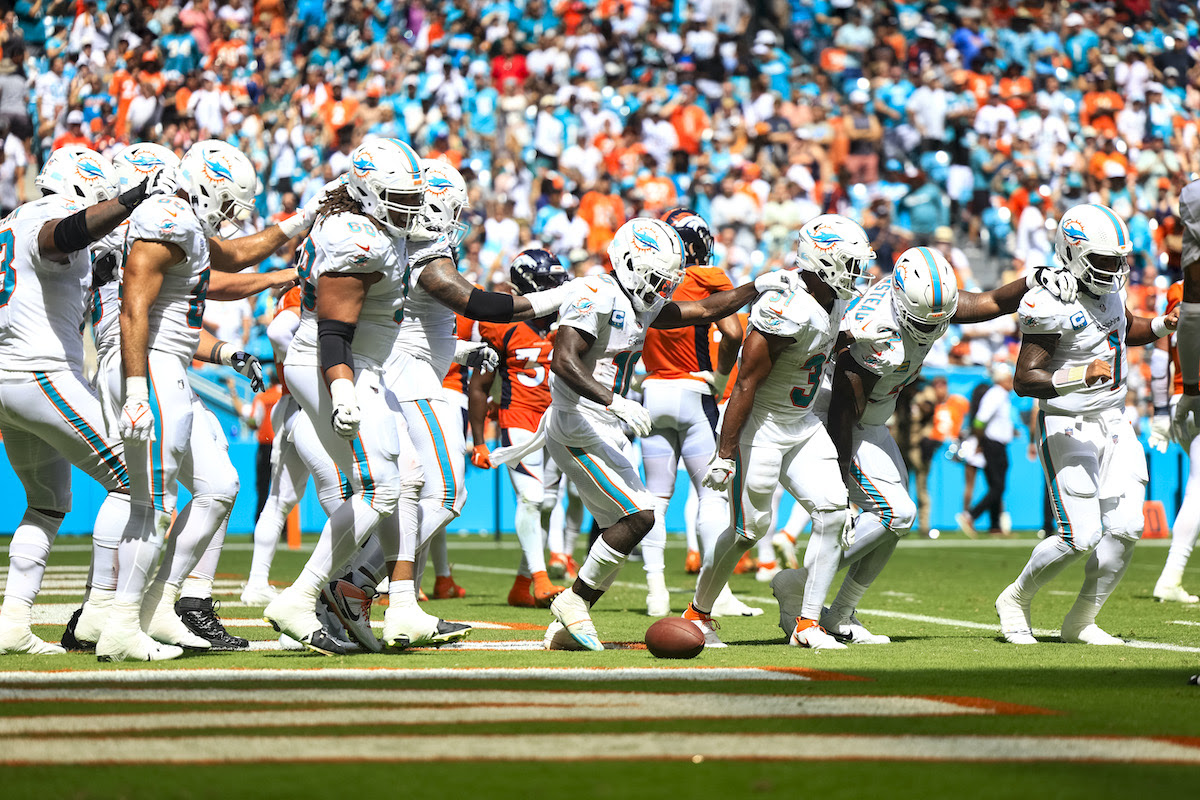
[647, 259]
[837, 250]
[1093, 243]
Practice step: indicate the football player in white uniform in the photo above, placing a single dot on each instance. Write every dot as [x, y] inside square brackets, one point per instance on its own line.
[602, 328]
[49, 416]
[171, 245]
[1186, 415]
[770, 434]
[1073, 358]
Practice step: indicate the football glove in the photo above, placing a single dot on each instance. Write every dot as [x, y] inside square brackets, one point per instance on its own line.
[346, 413]
[1058, 282]
[720, 472]
[631, 413]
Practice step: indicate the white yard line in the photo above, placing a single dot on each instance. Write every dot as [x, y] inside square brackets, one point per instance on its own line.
[567, 747]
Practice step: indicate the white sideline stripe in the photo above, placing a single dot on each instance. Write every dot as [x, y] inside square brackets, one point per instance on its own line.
[565, 747]
[519, 644]
[413, 708]
[397, 674]
[1184, 622]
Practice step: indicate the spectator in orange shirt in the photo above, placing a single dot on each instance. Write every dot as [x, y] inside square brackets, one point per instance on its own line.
[689, 119]
[339, 111]
[604, 210]
[1100, 106]
[937, 419]
[656, 191]
[74, 133]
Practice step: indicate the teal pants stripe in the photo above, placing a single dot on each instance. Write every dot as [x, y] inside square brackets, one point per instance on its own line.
[95, 440]
[449, 495]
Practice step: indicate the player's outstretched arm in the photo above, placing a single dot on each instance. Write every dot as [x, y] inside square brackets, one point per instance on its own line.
[239, 285]
[478, 391]
[721, 304]
[1033, 377]
[441, 279]
[212, 350]
[60, 237]
[984, 306]
[1146, 330]
[570, 345]
[852, 385]
[234, 255]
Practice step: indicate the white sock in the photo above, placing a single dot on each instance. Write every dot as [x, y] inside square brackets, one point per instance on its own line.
[712, 518]
[402, 594]
[692, 519]
[654, 545]
[821, 558]
[728, 550]
[137, 555]
[348, 527]
[197, 588]
[529, 535]
[267, 532]
[1101, 574]
[439, 553]
[1183, 537]
[766, 550]
[194, 530]
[206, 567]
[601, 565]
[27, 553]
[111, 520]
[17, 612]
[848, 598]
[1050, 557]
[867, 568]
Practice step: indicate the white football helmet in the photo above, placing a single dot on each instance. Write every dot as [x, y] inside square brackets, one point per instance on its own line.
[137, 162]
[1092, 242]
[385, 179]
[445, 200]
[647, 258]
[924, 293]
[221, 182]
[79, 173]
[837, 250]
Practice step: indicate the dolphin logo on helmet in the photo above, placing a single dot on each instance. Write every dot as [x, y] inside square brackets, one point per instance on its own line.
[90, 170]
[824, 239]
[1073, 230]
[145, 162]
[217, 169]
[644, 241]
[437, 184]
[363, 163]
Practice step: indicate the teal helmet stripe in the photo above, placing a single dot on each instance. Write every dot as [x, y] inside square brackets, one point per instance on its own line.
[1116, 223]
[936, 277]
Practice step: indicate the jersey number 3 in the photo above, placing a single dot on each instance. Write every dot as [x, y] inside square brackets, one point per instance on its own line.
[8, 277]
[802, 396]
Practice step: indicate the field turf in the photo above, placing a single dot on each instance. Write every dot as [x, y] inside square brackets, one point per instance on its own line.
[946, 710]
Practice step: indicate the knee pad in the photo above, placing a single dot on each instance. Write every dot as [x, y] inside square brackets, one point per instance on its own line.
[224, 501]
[383, 497]
[1083, 542]
[50, 498]
[1126, 524]
[1076, 480]
[904, 514]
[33, 542]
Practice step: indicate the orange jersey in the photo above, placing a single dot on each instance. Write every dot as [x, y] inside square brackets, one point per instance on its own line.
[463, 328]
[524, 371]
[673, 354]
[1174, 298]
[289, 302]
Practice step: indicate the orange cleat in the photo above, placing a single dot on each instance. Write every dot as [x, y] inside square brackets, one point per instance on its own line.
[544, 591]
[572, 569]
[556, 567]
[421, 596]
[691, 564]
[444, 588]
[747, 563]
[519, 595]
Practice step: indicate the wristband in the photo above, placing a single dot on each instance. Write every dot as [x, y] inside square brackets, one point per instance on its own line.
[341, 392]
[1158, 326]
[137, 389]
[548, 301]
[1069, 379]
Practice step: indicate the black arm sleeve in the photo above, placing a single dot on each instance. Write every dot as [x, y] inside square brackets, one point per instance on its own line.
[489, 306]
[334, 338]
[71, 233]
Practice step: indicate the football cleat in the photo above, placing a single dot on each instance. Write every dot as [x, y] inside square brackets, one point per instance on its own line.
[94, 617]
[572, 569]
[128, 643]
[352, 607]
[444, 588]
[556, 567]
[785, 550]
[519, 596]
[692, 564]
[747, 563]
[809, 634]
[1088, 634]
[766, 570]
[72, 643]
[557, 638]
[1174, 593]
[966, 524]
[727, 605]
[288, 643]
[292, 613]
[544, 591]
[1015, 621]
[162, 622]
[707, 625]
[199, 614]
[19, 638]
[258, 594]
[853, 632]
[788, 588]
[572, 611]
[412, 627]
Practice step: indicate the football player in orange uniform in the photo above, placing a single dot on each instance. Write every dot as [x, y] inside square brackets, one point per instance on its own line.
[1166, 383]
[681, 392]
[524, 369]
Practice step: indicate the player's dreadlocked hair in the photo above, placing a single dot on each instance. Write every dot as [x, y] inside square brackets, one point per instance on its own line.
[339, 201]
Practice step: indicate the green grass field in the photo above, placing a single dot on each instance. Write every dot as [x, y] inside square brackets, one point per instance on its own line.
[946, 710]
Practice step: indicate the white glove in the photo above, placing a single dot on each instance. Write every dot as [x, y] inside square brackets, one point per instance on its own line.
[476, 355]
[780, 280]
[720, 472]
[1058, 282]
[346, 413]
[633, 414]
[166, 182]
[847, 537]
[137, 418]
[1160, 432]
[717, 381]
[299, 223]
[1185, 419]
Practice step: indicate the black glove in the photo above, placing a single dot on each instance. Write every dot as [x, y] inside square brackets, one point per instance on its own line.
[249, 366]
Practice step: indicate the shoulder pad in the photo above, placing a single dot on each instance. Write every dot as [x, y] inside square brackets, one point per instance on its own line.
[1042, 312]
[164, 219]
[591, 295]
[350, 243]
[780, 313]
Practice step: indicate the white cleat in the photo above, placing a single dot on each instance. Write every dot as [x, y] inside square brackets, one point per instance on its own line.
[966, 524]
[557, 638]
[412, 627]
[124, 643]
[1015, 623]
[788, 588]
[785, 550]
[658, 600]
[727, 605]
[259, 594]
[572, 611]
[1174, 593]
[292, 612]
[19, 638]
[93, 617]
[288, 643]
[853, 631]
[811, 635]
[1088, 634]
[160, 621]
[707, 626]
[765, 574]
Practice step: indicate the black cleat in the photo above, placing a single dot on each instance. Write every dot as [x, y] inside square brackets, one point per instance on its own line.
[201, 619]
[70, 642]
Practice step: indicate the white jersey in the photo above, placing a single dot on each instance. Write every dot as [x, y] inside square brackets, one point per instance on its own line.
[348, 243]
[599, 307]
[106, 298]
[424, 347]
[41, 301]
[789, 391]
[1088, 328]
[884, 348]
[178, 312]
